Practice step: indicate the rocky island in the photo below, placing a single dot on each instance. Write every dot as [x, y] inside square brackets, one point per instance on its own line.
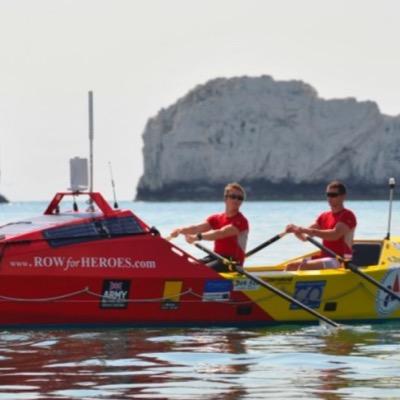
[277, 138]
[3, 199]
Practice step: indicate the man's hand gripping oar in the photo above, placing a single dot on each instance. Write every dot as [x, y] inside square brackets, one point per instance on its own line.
[267, 285]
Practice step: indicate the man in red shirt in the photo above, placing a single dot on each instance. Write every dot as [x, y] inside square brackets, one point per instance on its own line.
[229, 229]
[335, 228]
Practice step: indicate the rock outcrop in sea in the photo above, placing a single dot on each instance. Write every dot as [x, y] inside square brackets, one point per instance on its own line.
[3, 199]
[277, 138]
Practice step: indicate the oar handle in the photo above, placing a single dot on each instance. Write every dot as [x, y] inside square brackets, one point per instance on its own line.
[265, 244]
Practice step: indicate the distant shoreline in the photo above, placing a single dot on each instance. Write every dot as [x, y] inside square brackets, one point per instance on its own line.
[260, 191]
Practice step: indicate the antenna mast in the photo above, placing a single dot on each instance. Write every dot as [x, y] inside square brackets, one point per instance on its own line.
[91, 140]
[392, 184]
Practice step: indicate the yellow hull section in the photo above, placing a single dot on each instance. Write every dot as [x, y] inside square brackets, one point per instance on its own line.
[338, 294]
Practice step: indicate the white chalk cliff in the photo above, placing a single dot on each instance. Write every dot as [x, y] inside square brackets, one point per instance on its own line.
[270, 136]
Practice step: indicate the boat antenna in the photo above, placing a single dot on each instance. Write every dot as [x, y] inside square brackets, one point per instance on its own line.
[392, 184]
[113, 185]
[91, 140]
[91, 135]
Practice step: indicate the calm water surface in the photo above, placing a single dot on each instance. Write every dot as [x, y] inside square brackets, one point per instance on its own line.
[282, 362]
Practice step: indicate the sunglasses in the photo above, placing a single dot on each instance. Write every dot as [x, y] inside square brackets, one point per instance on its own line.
[332, 194]
[234, 197]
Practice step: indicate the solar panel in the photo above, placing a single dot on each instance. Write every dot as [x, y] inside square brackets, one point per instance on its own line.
[80, 233]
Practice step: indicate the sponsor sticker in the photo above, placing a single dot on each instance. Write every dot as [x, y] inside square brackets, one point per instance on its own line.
[245, 285]
[115, 294]
[171, 295]
[385, 303]
[309, 293]
[65, 264]
[217, 290]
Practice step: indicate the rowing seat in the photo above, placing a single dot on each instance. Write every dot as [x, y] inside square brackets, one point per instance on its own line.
[365, 254]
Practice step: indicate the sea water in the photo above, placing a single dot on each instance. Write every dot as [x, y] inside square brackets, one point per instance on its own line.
[280, 362]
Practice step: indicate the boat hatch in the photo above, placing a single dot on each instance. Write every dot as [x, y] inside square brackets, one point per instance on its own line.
[365, 254]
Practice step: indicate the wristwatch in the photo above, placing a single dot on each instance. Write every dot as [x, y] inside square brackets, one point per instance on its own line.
[199, 236]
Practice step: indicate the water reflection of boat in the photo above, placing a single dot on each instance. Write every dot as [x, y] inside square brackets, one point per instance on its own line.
[107, 266]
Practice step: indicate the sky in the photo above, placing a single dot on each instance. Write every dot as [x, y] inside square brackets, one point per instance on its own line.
[140, 56]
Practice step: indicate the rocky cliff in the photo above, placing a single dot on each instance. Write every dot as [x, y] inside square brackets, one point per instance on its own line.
[277, 138]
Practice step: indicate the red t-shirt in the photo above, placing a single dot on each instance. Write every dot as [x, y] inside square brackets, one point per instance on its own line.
[328, 220]
[233, 246]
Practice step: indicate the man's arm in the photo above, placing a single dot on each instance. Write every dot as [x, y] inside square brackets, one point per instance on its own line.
[224, 232]
[339, 231]
[191, 229]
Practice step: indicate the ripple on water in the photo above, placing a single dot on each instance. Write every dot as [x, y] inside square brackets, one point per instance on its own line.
[301, 362]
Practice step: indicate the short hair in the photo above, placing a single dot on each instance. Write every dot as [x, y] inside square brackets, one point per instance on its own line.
[236, 186]
[337, 185]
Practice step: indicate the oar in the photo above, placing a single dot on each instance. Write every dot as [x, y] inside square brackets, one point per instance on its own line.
[353, 268]
[265, 244]
[268, 286]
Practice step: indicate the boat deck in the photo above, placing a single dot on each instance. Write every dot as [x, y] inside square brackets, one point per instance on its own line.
[41, 222]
